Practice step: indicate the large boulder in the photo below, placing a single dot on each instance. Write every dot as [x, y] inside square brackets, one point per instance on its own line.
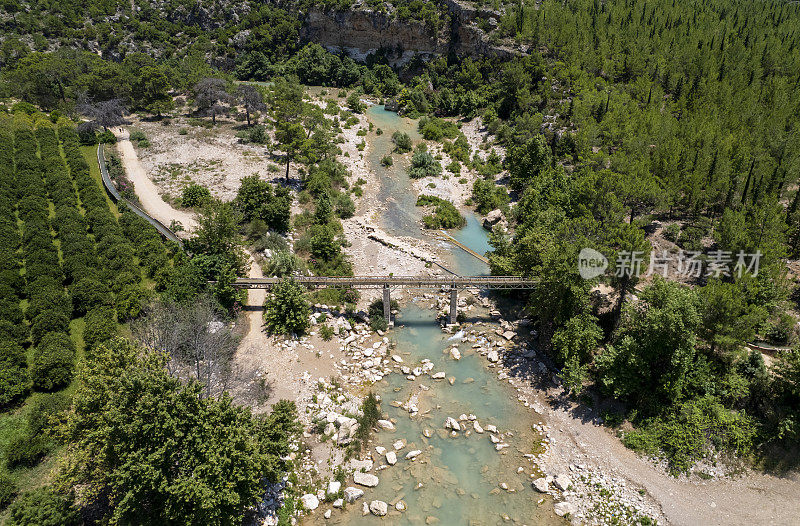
[365, 479]
[310, 502]
[333, 488]
[378, 508]
[386, 424]
[541, 485]
[352, 494]
[562, 482]
[452, 423]
[492, 218]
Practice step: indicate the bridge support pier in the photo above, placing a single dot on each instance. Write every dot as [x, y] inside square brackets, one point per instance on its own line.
[453, 305]
[387, 304]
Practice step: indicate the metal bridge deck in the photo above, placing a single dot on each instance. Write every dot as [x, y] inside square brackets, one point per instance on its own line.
[379, 282]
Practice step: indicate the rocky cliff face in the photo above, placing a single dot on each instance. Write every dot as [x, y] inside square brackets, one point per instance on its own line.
[361, 31]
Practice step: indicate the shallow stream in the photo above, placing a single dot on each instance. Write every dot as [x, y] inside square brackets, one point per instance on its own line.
[457, 480]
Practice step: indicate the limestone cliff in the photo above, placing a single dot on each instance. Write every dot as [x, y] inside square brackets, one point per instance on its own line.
[361, 31]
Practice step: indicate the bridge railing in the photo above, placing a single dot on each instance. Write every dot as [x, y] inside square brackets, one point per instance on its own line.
[367, 282]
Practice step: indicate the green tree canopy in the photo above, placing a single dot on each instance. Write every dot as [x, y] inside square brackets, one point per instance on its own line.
[286, 309]
[159, 452]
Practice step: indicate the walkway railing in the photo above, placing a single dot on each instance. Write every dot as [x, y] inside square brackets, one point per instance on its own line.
[115, 195]
[379, 282]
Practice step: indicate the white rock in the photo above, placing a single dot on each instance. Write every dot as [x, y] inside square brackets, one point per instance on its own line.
[365, 479]
[493, 357]
[391, 458]
[541, 485]
[333, 488]
[477, 427]
[491, 428]
[411, 455]
[455, 354]
[352, 494]
[380, 450]
[452, 423]
[386, 424]
[562, 508]
[378, 508]
[400, 444]
[562, 482]
[338, 503]
[310, 502]
[438, 376]
[397, 358]
[400, 505]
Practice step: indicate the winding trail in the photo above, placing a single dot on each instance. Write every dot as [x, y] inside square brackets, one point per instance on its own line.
[152, 203]
[256, 352]
[146, 190]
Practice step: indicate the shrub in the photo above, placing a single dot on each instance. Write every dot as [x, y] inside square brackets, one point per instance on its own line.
[46, 322]
[671, 232]
[692, 431]
[287, 310]
[376, 320]
[424, 165]
[53, 362]
[89, 293]
[195, 195]
[326, 332]
[130, 302]
[354, 103]
[445, 214]
[402, 142]
[42, 507]
[44, 409]
[258, 135]
[454, 167]
[87, 134]
[25, 450]
[8, 489]
[488, 196]
[370, 414]
[344, 206]
[387, 160]
[107, 137]
[101, 326]
[14, 380]
[282, 263]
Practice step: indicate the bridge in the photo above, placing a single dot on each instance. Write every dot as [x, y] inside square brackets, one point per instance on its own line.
[386, 283]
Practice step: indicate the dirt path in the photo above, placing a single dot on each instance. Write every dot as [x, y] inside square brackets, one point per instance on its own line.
[291, 373]
[753, 498]
[146, 190]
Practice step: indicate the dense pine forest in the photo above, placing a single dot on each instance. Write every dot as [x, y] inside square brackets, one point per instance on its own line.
[609, 121]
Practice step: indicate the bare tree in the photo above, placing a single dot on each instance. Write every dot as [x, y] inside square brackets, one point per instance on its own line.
[211, 97]
[106, 113]
[251, 99]
[160, 329]
[199, 344]
[208, 347]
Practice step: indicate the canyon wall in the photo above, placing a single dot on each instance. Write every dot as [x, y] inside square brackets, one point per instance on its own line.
[361, 31]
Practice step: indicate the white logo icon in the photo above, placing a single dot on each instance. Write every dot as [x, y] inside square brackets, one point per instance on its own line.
[591, 263]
